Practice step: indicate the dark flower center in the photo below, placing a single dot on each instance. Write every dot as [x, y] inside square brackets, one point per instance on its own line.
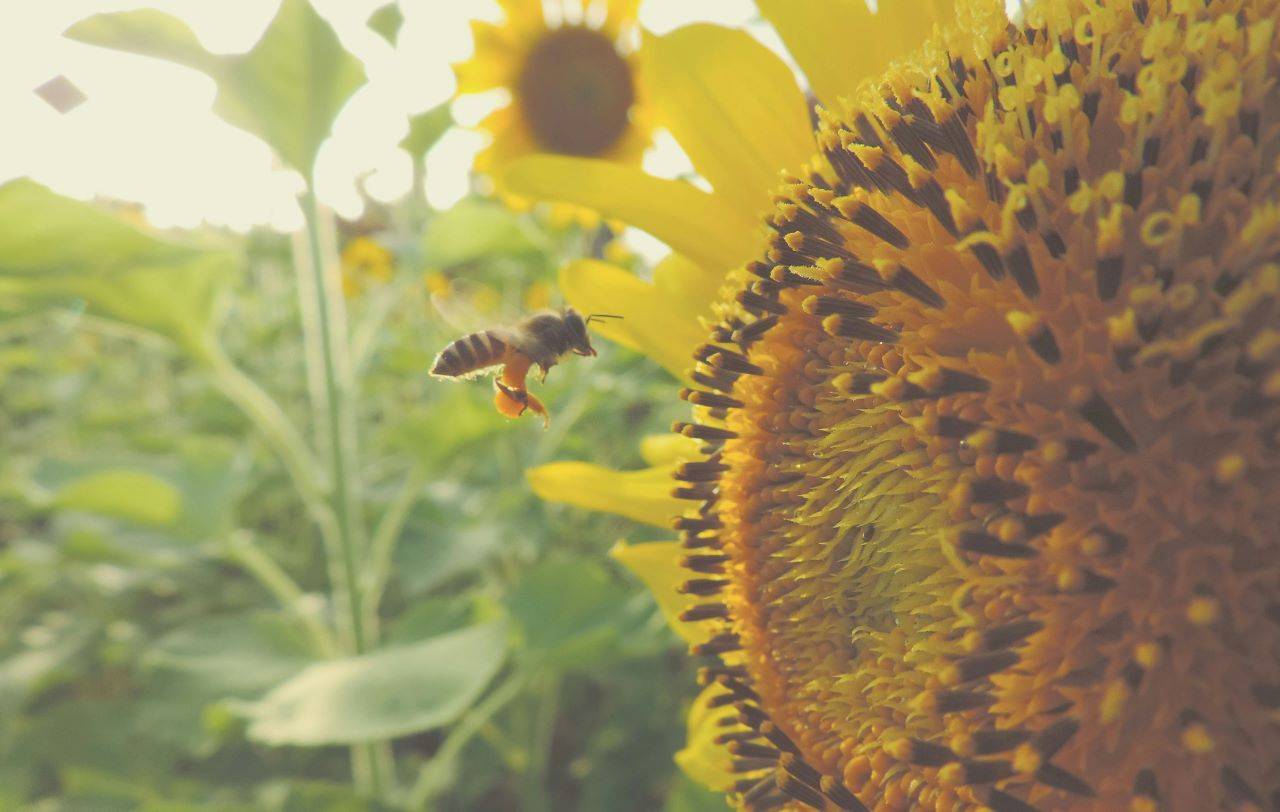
[576, 92]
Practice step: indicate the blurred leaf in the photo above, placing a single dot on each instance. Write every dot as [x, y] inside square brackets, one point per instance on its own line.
[471, 418]
[54, 249]
[425, 130]
[101, 791]
[570, 612]
[96, 734]
[24, 673]
[425, 562]
[287, 90]
[473, 229]
[688, 796]
[197, 667]
[311, 796]
[124, 494]
[191, 495]
[430, 617]
[237, 655]
[386, 21]
[391, 692]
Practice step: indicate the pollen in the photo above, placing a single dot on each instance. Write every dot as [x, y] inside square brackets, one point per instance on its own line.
[987, 514]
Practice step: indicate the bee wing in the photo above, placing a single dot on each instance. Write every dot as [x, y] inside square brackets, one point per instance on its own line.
[468, 306]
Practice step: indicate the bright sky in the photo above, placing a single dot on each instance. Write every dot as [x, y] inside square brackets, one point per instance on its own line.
[147, 134]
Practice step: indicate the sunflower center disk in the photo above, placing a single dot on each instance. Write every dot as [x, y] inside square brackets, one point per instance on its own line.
[987, 509]
[576, 92]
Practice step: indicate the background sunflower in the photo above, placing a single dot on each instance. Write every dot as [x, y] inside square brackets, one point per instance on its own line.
[570, 71]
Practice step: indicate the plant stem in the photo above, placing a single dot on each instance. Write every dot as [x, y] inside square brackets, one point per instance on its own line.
[434, 774]
[372, 765]
[274, 425]
[544, 729]
[242, 550]
[335, 429]
[383, 545]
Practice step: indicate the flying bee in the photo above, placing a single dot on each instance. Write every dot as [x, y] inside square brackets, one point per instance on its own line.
[540, 340]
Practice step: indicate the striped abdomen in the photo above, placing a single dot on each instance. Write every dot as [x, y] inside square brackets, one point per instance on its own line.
[470, 354]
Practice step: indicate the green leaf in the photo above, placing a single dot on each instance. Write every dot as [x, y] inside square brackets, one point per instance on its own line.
[474, 229]
[54, 249]
[425, 130]
[427, 560]
[688, 796]
[430, 617]
[386, 21]
[192, 495]
[570, 612]
[287, 90]
[25, 673]
[236, 655]
[122, 493]
[391, 692]
[472, 418]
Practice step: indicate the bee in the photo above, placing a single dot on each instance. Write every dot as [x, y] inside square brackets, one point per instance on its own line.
[540, 340]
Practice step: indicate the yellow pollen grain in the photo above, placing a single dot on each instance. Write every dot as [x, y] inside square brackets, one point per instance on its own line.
[1026, 759]
[1204, 611]
[1147, 655]
[1113, 701]
[1196, 739]
[1228, 469]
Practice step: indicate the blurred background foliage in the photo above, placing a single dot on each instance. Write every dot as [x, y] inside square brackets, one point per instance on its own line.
[252, 557]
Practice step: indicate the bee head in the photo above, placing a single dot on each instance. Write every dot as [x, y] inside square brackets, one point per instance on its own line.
[580, 341]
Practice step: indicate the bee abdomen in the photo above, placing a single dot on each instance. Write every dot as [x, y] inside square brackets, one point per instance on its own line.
[469, 354]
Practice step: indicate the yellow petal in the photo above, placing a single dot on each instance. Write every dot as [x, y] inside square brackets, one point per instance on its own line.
[643, 495]
[734, 107]
[704, 227]
[702, 759]
[664, 449]
[657, 565]
[656, 320]
[525, 16]
[493, 63]
[618, 15]
[838, 43]
[696, 288]
[511, 140]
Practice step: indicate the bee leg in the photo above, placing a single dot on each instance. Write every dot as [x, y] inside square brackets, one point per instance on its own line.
[511, 402]
[537, 408]
[543, 370]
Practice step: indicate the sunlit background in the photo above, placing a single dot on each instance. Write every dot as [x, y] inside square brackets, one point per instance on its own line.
[146, 133]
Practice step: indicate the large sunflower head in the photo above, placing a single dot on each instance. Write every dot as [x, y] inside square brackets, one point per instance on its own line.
[984, 513]
[569, 68]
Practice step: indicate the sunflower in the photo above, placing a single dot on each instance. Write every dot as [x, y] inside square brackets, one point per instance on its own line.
[365, 263]
[570, 70]
[983, 459]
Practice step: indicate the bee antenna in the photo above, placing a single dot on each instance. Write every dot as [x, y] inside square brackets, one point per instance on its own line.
[601, 317]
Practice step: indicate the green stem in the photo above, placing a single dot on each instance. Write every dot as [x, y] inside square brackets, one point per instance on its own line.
[383, 545]
[274, 425]
[435, 774]
[335, 414]
[381, 303]
[544, 729]
[372, 765]
[242, 550]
